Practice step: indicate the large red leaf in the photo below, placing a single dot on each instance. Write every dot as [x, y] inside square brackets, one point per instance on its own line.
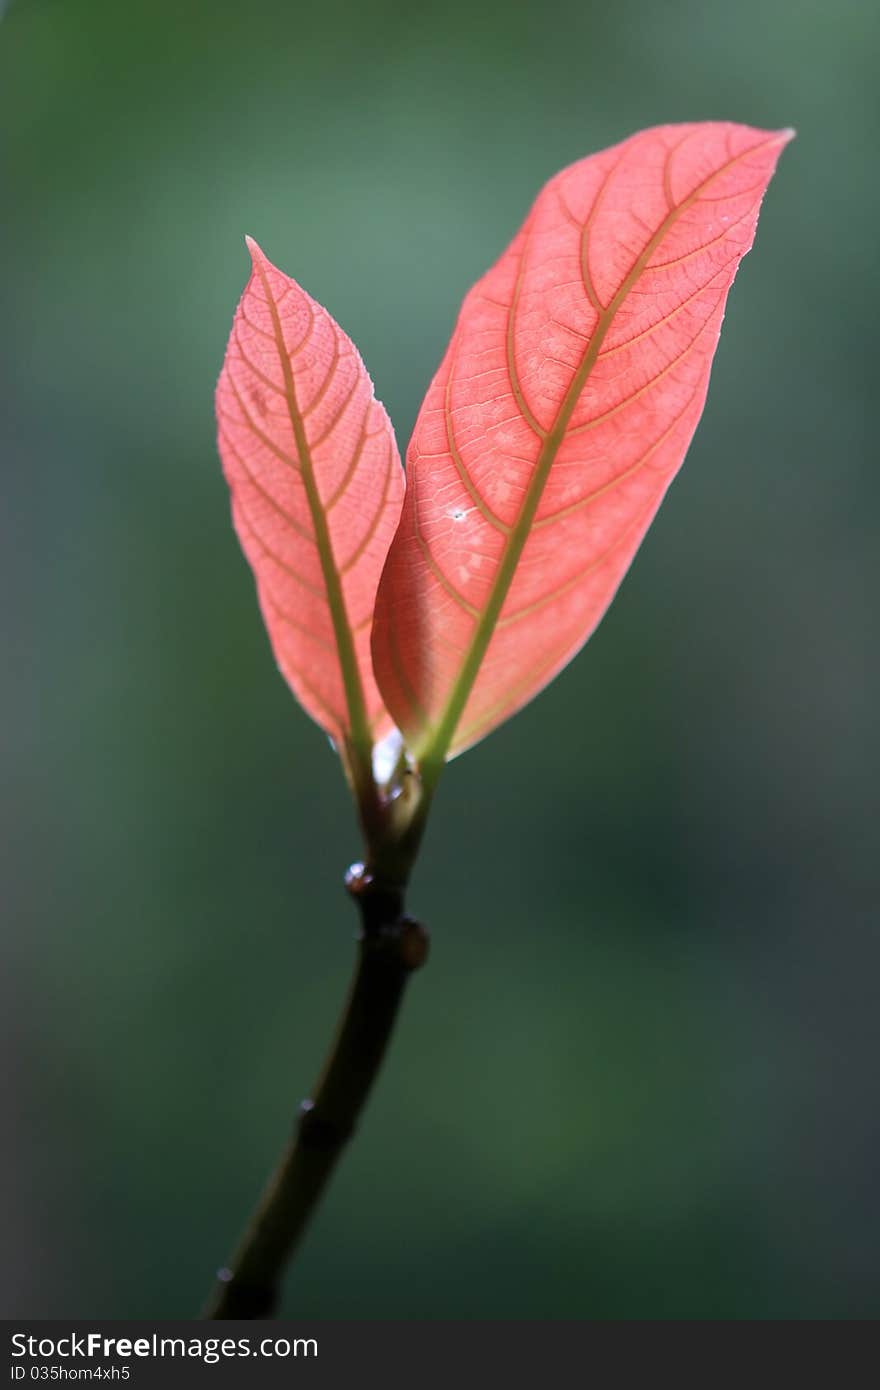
[317, 488]
[564, 406]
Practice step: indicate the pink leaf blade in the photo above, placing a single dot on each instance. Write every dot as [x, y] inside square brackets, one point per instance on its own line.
[565, 404]
[316, 489]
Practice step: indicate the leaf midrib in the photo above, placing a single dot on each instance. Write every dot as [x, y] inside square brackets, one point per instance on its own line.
[359, 730]
[433, 754]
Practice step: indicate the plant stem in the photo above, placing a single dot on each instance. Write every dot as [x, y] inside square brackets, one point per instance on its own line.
[390, 947]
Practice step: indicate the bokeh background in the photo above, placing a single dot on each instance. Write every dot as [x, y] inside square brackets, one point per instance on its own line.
[639, 1077]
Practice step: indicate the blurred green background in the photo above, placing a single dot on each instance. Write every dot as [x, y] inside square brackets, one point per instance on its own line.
[639, 1077]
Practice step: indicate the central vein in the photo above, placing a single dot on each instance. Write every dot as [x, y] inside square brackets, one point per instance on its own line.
[440, 739]
[359, 729]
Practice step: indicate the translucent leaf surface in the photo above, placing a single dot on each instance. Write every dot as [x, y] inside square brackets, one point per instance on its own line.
[562, 410]
[317, 488]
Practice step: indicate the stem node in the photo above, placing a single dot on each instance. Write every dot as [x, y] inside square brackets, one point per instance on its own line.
[390, 947]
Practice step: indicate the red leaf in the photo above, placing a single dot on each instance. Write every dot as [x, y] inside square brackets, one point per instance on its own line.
[317, 488]
[562, 410]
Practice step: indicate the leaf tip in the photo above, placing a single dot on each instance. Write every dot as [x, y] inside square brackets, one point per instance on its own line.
[256, 252]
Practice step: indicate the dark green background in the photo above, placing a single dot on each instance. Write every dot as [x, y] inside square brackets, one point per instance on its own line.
[639, 1077]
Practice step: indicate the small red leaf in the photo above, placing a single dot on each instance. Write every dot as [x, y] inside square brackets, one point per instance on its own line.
[317, 488]
[562, 410]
